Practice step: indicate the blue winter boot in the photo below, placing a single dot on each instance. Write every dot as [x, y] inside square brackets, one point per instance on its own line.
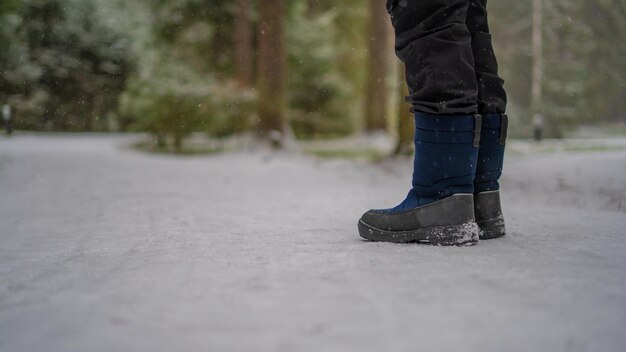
[439, 208]
[486, 188]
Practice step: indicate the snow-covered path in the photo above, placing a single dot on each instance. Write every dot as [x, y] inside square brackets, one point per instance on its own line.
[103, 248]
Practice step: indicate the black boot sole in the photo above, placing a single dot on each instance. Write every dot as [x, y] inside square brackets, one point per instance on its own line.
[451, 235]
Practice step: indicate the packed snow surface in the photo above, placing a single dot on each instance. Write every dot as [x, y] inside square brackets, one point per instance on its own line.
[104, 248]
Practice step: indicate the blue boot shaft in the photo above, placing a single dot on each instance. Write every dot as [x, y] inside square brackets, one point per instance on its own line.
[491, 153]
[445, 161]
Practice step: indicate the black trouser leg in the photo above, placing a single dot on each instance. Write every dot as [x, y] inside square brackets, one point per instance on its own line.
[433, 41]
[491, 94]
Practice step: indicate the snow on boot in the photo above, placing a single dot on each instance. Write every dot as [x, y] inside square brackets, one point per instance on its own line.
[490, 159]
[439, 208]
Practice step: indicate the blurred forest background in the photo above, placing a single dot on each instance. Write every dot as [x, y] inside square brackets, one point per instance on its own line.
[281, 68]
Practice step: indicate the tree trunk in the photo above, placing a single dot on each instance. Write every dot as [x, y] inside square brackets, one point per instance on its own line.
[405, 129]
[314, 6]
[87, 110]
[537, 68]
[243, 44]
[271, 67]
[378, 54]
[178, 142]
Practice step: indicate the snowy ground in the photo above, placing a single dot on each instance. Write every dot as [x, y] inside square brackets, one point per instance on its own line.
[103, 248]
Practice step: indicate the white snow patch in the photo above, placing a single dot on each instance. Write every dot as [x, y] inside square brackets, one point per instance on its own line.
[104, 248]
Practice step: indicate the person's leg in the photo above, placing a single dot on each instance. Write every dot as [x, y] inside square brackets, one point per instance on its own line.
[491, 94]
[434, 43]
[491, 105]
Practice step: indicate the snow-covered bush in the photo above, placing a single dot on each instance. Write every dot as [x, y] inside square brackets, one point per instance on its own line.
[316, 81]
[63, 66]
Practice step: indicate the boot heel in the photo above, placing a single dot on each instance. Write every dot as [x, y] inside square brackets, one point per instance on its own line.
[488, 214]
[492, 228]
